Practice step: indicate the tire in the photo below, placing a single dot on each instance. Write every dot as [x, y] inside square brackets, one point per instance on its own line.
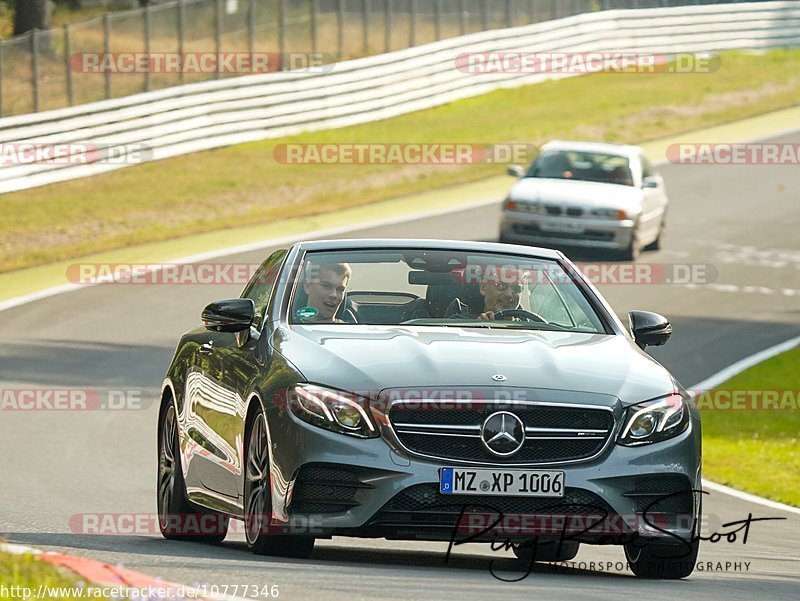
[658, 243]
[549, 551]
[634, 248]
[178, 519]
[657, 561]
[258, 500]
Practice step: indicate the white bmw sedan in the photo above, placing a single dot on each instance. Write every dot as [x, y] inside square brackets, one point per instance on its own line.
[589, 195]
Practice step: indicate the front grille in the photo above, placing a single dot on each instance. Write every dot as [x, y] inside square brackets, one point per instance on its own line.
[325, 489]
[553, 433]
[532, 229]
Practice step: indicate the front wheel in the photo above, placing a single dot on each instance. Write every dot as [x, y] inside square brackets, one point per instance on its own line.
[634, 249]
[259, 531]
[667, 562]
[658, 243]
[178, 519]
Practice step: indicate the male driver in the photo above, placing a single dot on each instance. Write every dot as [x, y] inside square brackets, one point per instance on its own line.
[499, 294]
[325, 284]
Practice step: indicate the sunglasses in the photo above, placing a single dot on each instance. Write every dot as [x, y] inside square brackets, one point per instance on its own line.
[516, 289]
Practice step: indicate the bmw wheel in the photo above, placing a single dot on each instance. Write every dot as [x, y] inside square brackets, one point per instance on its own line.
[258, 501]
[658, 243]
[634, 249]
[178, 519]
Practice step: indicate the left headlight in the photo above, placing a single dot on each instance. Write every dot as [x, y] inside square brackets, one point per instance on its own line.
[332, 409]
[655, 420]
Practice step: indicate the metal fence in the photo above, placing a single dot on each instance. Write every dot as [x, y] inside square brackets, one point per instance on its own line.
[44, 70]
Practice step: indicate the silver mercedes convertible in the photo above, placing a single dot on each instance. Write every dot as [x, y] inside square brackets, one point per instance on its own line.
[429, 390]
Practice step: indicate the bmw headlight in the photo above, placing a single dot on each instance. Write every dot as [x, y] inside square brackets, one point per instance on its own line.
[655, 420]
[617, 214]
[332, 409]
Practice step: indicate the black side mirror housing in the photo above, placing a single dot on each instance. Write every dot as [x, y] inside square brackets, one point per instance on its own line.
[230, 315]
[649, 329]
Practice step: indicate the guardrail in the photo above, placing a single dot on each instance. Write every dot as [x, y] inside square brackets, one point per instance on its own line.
[104, 136]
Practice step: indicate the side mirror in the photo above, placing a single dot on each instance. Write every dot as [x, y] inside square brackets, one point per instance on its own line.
[651, 182]
[231, 315]
[649, 329]
[515, 170]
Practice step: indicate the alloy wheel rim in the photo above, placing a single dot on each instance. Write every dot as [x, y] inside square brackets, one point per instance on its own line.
[257, 504]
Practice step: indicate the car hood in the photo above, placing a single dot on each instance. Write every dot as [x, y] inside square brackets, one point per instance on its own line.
[373, 358]
[577, 193]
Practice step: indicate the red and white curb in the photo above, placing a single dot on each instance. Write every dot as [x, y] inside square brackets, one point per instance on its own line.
[100, 574]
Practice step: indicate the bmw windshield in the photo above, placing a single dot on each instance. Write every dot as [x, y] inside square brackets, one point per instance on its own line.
[439, 288]
[585, 166]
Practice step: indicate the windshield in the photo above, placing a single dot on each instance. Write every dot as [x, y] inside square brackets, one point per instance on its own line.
[586, 166]
[439, 288]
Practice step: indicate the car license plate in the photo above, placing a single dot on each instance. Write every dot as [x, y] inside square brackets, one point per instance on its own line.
[565, 227]
[512, 483]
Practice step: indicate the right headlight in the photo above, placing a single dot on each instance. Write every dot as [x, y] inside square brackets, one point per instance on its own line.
[654, 421]
[617, 214]
[331, 409]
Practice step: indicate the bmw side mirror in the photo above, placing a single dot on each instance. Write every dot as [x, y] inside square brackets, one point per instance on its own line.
[649, 329]
[515, 170]
[230, 315]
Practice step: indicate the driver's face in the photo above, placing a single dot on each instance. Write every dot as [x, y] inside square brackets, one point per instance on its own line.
[326, 293]
[499, 296]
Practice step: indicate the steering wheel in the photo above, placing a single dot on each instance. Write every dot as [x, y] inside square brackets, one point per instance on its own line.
[522, 313]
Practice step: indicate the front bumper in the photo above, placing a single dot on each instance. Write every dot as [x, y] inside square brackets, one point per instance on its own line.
[543, 230]
[327, 484]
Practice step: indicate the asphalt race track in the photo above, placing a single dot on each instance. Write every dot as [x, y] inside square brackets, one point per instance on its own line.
[741, 222]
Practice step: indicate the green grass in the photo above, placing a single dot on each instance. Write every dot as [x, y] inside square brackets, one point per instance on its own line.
[28, 573]
[757, 451]
[244, 185]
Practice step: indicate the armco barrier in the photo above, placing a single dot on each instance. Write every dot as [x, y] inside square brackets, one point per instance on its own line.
[206, 115]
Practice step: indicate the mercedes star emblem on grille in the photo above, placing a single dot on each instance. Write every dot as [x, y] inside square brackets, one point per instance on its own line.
[503, 433]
